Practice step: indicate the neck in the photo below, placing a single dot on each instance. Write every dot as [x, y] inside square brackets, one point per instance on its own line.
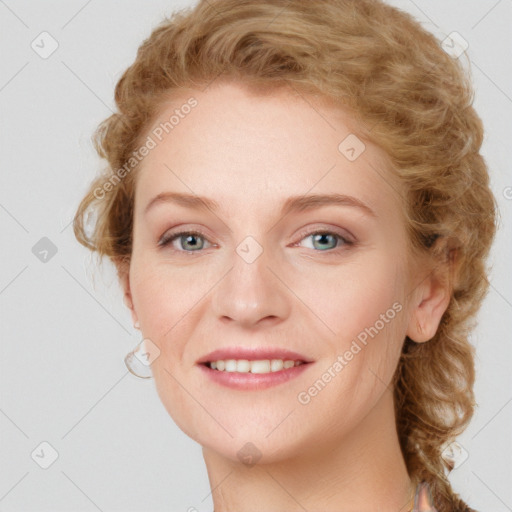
[363, 471]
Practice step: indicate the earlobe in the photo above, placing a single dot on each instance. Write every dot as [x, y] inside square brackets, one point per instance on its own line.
[432, 301]
[124, 279]
[129, 304]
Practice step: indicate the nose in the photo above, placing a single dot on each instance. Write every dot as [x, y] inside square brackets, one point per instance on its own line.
[251, 294]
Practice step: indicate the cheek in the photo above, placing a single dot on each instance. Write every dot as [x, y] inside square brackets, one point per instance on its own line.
[362, 305]
[164, 300]
[352, 299]
[171, 303]
[160, 299]
[336, 304]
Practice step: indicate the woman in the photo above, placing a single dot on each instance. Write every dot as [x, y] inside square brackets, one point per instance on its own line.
[314, 378]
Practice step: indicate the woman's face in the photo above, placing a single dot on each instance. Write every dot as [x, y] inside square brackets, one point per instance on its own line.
[326, 280]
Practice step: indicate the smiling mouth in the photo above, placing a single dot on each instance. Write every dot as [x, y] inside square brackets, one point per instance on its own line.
[253, 366]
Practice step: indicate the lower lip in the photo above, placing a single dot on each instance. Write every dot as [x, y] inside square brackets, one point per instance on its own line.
[253, 381]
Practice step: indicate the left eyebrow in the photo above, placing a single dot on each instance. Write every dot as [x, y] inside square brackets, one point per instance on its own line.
[292, 204]
[186, 200]
[310, 202]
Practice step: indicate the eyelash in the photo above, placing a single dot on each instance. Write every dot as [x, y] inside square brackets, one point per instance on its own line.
[166, 240]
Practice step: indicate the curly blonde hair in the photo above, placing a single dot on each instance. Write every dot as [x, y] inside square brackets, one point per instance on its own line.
[414, 102]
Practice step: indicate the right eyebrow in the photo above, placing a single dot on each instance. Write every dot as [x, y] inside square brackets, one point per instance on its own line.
[294, 203]
[186, 200]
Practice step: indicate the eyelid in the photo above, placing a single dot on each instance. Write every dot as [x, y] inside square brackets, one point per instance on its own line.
[169, 237]
[342, 233]
[345, 236]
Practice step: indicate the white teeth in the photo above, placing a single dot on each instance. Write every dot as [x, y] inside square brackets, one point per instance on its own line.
[243, 366]
[231, 365]
[260, 366]
[276, 365]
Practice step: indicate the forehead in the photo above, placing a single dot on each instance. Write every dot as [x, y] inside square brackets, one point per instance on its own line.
[251, 150]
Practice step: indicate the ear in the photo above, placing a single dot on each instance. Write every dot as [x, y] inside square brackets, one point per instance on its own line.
[430, 301]
[123, 273]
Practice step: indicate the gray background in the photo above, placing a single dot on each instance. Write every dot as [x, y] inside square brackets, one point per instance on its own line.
[64, 327]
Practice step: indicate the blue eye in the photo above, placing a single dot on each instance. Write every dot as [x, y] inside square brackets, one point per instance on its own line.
[326, 239]
[185, 237]
[190, 241]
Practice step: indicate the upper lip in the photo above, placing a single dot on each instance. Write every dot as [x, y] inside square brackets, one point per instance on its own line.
[253, 354]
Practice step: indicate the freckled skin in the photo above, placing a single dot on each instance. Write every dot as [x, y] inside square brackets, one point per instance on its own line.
[249, 153]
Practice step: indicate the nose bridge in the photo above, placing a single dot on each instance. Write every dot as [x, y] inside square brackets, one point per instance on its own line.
[250, 292]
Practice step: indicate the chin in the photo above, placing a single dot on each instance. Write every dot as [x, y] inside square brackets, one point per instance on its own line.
[251, 451]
